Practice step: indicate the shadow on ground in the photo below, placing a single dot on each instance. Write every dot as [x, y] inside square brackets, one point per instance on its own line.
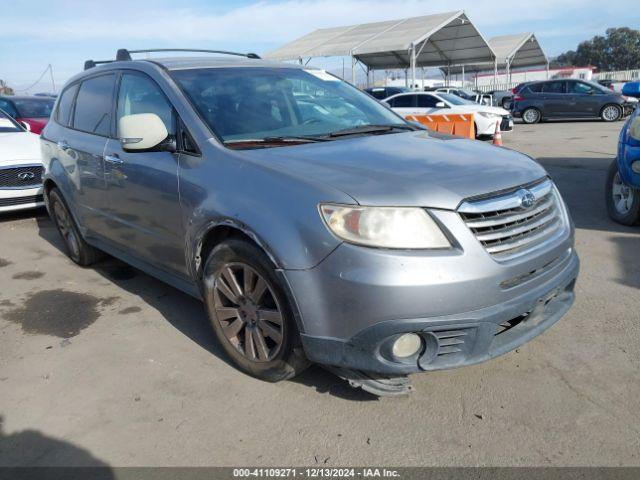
[188, 316]
[31, 448]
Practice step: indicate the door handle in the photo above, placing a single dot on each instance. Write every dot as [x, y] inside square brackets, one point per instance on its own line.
[115, 159]
[62, 145]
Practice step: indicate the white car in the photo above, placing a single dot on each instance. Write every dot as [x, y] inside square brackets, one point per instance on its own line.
[20, 167]
[426, 103]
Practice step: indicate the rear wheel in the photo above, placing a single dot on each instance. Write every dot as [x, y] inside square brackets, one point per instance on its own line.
[623, 201]
[250, 313]
[531, 115]
[78, 250]
[611, 113]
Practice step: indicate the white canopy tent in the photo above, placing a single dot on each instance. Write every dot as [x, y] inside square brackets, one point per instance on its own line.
[444, 39]
[512, 51]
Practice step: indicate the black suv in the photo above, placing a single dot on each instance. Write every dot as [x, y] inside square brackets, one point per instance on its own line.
[568, 99]
[380, 93]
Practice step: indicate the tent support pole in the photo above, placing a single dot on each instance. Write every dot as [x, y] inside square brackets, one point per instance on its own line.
[495, 73]
[353, 70]
[462, 76]
[547, 69]
[413, 66]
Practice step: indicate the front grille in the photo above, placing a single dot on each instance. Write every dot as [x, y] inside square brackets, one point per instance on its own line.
[512, 224]
[21, 177]
[505, 125]
[8, 202]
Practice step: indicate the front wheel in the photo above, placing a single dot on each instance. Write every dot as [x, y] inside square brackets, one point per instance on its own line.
[611, 113]
[623, 201]
[250, 312]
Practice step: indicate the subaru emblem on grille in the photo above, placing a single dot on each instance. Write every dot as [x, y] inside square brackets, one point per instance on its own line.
[26, 176]
[527, 199]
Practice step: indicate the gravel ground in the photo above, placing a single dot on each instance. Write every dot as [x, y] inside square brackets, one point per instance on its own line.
[109, 366]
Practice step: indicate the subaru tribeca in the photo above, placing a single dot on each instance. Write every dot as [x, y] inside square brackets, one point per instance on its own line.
[314, 223]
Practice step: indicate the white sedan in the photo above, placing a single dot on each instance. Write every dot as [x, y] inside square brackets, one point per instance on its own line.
[428, 103]
[20, 167]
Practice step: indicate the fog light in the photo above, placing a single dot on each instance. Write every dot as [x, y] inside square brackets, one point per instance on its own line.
[406, 345]
[635, 166]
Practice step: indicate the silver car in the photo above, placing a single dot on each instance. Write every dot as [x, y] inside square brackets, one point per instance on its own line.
[315, 224]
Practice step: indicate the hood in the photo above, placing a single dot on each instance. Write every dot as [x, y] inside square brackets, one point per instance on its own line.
[422, 168]
[19, 147]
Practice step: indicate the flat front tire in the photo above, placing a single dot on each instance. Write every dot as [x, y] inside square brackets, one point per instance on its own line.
[77, 248]
[250, 313]
[623, 201]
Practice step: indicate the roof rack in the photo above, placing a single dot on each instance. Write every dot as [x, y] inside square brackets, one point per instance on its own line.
[124, 55]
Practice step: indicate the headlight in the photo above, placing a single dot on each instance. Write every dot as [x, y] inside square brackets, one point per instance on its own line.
[384, 227]
[489, 115]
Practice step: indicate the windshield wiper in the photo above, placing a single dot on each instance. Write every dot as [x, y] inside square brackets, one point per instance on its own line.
[370, 129]
[277, 140]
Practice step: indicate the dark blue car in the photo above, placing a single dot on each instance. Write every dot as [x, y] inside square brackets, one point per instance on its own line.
[623, 181]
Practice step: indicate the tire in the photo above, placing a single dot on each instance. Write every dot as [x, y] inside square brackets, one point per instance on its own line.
[623, 202]
[78, 249]
[531, 115]
[610, 113]
[506, 103]
[257, 330]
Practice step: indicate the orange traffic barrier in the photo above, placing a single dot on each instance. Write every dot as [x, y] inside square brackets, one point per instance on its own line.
[454, 124]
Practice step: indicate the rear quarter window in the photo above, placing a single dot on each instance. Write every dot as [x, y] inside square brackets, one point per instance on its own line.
[63, 114]
[534, 88]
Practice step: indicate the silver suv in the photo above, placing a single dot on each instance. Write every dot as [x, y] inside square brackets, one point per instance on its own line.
[315, 224]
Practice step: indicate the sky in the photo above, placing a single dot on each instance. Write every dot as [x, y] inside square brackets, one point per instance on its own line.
[65, 33]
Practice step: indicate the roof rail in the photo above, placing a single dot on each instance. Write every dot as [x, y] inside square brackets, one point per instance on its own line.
[124, 55]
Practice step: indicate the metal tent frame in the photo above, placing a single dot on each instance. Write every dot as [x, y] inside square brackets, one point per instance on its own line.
[444, 39]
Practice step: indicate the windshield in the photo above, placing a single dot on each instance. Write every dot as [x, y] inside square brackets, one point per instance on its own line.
[454, 99]
[261, 103]
[34, 107]
[467, 93]
[8, 124]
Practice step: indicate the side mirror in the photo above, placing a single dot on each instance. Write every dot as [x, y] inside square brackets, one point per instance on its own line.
[26, 126]
[441, 105]
[142, 131]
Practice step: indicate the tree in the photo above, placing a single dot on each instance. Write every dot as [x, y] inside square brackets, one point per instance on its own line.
[4, 89]
[619, 49]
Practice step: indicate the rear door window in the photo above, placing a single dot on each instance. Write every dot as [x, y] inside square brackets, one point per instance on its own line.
[94, 105]
[404, 101]
[554, 87]
[8, 107]
[63, 115]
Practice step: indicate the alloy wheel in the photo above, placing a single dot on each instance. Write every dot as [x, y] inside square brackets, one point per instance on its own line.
[611, 113]
[248, 312]
[531, 116]
[66, 229]
[623, 195]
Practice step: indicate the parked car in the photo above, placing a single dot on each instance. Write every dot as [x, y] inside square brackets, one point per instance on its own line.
[347, 238]
[623, 180]
[502, 98]
[20, 167]
[426, 103]
[569, 98]
[32, 112]
[381, 93]
[458, 91]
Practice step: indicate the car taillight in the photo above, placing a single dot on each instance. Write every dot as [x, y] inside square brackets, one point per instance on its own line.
[514, 90]
[517, 98]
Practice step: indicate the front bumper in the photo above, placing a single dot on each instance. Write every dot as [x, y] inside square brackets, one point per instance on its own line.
[12, 199]
[358, 300]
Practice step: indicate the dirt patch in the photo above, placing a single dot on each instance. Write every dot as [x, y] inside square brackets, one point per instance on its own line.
[27, 275]
[6, 303]
[126, 311]
[58, 313]
[4, 263]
